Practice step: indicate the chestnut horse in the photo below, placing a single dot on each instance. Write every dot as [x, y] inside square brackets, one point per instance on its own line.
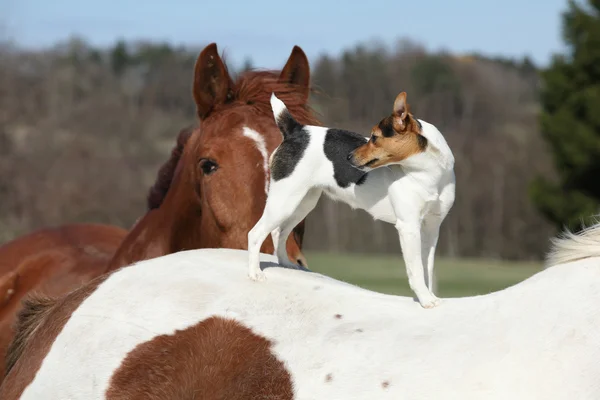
[209, 193]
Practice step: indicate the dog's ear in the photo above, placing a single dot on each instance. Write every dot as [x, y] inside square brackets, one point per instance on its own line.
[212, 83]
[400, 111]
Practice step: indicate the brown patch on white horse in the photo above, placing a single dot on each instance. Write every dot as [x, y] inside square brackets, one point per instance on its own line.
[215, 359]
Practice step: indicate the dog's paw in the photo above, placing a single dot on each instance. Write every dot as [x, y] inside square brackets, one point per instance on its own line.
[257, 276]
[430, 302]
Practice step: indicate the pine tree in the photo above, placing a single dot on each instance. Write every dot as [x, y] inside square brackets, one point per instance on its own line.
[570, 122]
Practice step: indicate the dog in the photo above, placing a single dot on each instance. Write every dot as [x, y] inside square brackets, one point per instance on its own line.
[403, 174]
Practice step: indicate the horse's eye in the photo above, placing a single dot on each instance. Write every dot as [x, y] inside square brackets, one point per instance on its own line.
[208, 166]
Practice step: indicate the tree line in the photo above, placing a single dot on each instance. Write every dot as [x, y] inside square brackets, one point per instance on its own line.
[84, 130]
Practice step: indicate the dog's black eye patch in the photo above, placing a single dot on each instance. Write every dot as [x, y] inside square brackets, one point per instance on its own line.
[387, 127]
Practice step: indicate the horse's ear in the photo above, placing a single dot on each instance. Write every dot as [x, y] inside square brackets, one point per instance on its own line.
[297, 71]
[212, 83]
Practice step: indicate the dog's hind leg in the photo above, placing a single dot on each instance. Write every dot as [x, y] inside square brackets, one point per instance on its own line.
[431, 232]
[410, 241]
[256, 237]
[429, 237]
[282, 202]
[275, 234]
[307, 204]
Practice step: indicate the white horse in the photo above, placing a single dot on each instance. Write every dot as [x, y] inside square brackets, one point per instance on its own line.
[192, 324]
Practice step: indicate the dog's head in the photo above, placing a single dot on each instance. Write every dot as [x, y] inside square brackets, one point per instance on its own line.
[393, 139]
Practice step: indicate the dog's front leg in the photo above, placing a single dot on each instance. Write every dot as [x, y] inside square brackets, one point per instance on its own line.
[282, 201]
[410, 241]
[256, 236]
[307, 204]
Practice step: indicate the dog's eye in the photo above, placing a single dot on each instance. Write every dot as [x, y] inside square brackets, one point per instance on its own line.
[208, 166]
[373, 138]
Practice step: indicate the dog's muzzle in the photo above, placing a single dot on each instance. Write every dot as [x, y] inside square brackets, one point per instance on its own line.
[352, 159]
[365, 165]
[373, 161]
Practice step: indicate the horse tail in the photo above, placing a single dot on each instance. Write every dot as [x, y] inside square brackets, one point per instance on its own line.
[34, 312]
[570, 247]
[284, 120]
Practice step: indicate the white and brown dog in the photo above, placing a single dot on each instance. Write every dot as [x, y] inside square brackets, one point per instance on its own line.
[403, 174]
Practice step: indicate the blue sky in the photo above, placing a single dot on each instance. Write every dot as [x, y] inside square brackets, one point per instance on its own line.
[266, 30]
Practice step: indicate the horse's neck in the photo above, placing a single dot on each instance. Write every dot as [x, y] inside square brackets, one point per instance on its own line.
[142, 242]
[157, 233]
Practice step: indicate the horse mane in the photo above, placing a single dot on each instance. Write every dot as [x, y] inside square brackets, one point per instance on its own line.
[569, 246]
[33, 313]
[255, 88]
[159, 190]
[252, 88]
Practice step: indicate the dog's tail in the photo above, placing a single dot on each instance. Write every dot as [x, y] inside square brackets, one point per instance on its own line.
[284, 120]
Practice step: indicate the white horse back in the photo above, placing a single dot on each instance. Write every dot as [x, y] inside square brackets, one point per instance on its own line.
[537, 339]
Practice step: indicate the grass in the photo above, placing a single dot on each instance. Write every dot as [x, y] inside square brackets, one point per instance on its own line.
[455, 277]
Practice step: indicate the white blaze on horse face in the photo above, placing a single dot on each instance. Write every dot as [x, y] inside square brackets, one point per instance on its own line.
[259, 141]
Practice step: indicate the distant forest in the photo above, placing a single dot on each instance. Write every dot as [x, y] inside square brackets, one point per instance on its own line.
[83, 132]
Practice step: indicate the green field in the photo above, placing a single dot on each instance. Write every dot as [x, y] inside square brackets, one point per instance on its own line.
[455, 277]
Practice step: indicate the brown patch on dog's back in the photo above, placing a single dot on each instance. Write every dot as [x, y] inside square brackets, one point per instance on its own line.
[214, 359]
